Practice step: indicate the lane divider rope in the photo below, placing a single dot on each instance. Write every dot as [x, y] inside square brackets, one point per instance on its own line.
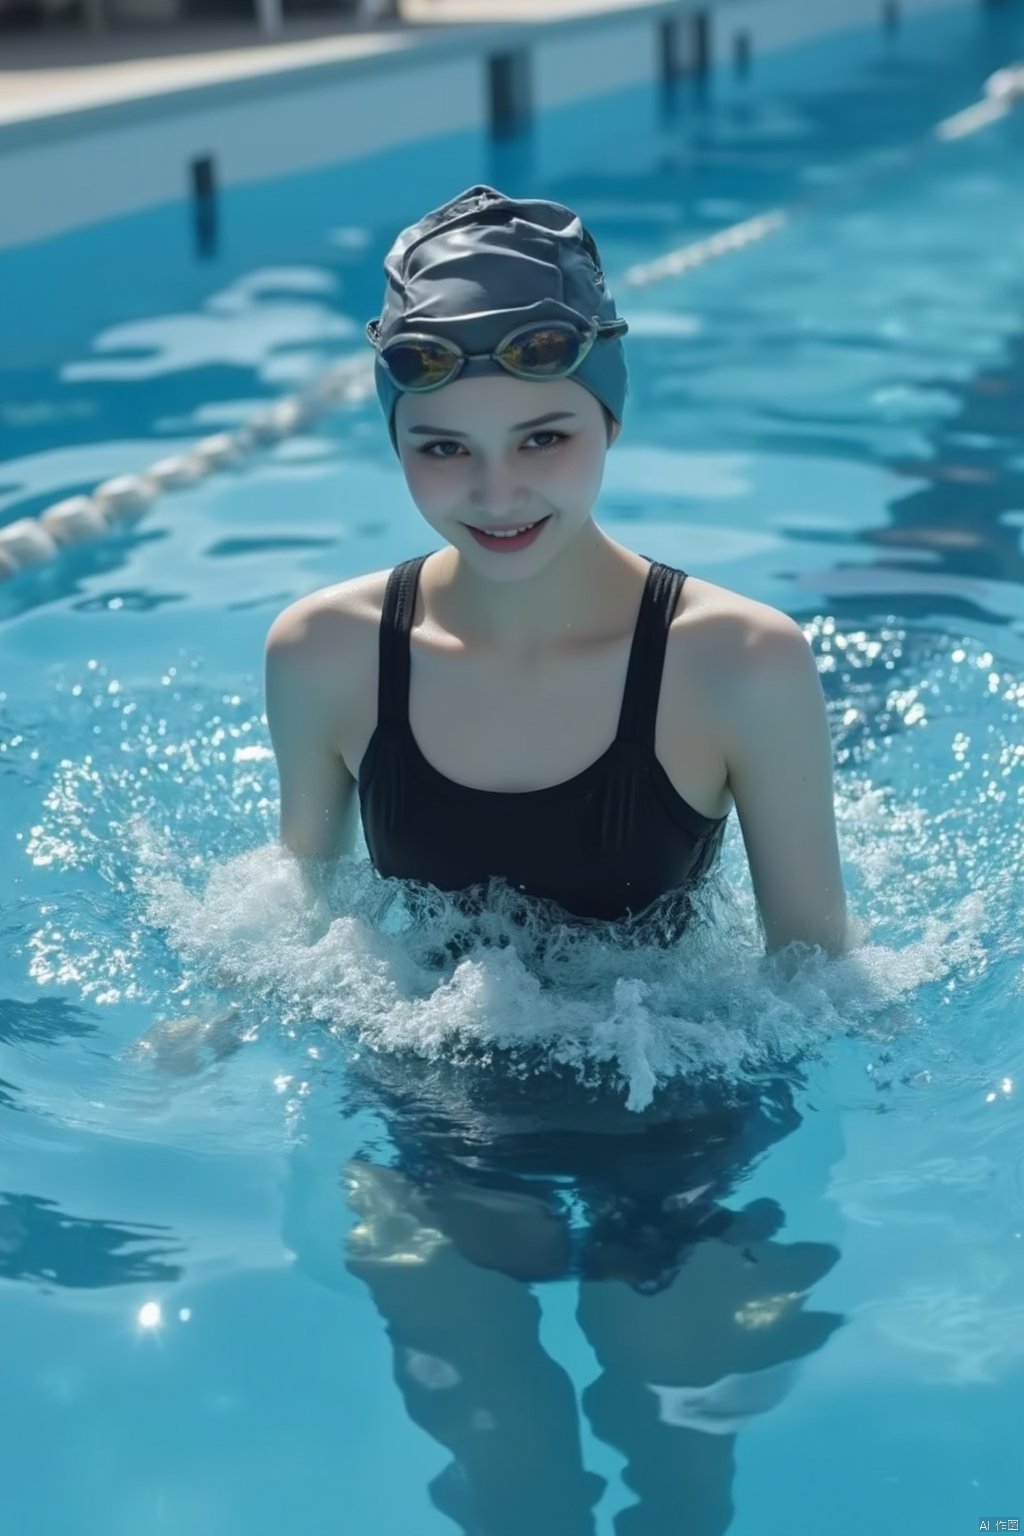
[1003, 91]
[122, 501]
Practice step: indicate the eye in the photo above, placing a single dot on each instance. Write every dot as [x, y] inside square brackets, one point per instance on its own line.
[446, 442]
[559, 437]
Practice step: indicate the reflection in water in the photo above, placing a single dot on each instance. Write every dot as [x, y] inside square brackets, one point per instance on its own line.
[963, 516]
[695, 1310]
[47, 1021]
[974, 478]
[39, 1241]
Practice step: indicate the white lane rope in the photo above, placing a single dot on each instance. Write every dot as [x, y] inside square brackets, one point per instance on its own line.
[1003, 91]
[122, 501]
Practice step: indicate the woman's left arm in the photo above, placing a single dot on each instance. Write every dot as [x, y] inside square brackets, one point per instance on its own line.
[778, 749]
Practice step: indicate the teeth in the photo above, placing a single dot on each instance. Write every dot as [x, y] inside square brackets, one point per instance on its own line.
[508, 533]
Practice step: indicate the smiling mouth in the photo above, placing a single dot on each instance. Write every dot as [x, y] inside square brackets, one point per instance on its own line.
[507, 532]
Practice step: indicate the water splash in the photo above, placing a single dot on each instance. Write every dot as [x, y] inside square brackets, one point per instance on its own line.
[165, 808]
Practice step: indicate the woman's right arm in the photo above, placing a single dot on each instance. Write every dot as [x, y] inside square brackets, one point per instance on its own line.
[305, 655]
[304, 660]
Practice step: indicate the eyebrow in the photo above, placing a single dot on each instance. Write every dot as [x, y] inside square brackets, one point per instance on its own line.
[520, 426]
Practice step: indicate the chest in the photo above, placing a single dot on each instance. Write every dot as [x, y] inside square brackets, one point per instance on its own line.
[532, 726]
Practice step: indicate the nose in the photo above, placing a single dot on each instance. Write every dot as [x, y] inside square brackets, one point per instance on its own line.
[498, 492]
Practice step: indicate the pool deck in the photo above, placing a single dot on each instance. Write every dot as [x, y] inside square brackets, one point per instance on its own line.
[47, 74]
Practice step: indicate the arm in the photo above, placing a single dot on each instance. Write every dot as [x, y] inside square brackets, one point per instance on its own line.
[779, 756]
[318, 801]
[304, 657]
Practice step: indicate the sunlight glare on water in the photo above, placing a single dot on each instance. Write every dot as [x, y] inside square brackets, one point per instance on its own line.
[670, 1224]
[152, 817]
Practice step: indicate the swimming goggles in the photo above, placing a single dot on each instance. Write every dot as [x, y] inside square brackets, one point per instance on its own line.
[544, 349]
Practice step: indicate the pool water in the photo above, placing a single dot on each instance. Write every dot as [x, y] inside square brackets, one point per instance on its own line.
[563, 1236]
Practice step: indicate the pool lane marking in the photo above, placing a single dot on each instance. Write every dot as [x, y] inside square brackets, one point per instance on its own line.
[971, 119]
[1003, 91]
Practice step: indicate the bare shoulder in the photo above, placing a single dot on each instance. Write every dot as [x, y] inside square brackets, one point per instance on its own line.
[320, 629]
[720, 614]
[733, 641]
[317, 618]
[321, 662]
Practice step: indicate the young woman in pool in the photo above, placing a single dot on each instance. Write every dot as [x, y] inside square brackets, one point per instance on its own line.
[546, 706]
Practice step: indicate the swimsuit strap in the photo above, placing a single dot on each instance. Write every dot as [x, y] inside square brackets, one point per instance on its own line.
[396, 622]
[639, 712]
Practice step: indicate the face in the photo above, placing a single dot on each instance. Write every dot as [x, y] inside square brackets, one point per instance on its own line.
[487, 461]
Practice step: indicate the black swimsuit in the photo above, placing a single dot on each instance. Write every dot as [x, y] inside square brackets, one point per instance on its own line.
[603, 844]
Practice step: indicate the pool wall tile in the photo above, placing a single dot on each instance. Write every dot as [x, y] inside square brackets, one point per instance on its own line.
[116, 170]
[82, 166]
[785, 22]
[569, 69]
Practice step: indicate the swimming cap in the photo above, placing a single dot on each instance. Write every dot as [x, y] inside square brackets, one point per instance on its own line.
[482, 264]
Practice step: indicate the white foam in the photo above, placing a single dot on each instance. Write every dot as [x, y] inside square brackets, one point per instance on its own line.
[712, 1004]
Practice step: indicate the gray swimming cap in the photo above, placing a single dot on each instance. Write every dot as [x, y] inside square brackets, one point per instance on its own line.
[483, 263]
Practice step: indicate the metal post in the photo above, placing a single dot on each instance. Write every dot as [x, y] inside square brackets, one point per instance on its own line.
[268, 16]
[95, 14]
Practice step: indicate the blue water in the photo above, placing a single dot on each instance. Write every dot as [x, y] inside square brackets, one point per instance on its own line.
[563, 1239]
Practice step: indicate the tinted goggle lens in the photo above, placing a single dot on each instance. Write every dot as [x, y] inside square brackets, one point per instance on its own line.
[538, 353]
[419, 364]
[542, 352]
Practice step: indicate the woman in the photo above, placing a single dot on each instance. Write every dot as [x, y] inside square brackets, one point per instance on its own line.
[546, 707]
[562, 713]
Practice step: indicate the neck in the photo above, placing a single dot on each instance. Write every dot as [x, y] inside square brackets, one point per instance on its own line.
[574, 597]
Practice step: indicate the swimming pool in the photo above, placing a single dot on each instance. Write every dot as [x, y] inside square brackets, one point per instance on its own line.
[401, 1250]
